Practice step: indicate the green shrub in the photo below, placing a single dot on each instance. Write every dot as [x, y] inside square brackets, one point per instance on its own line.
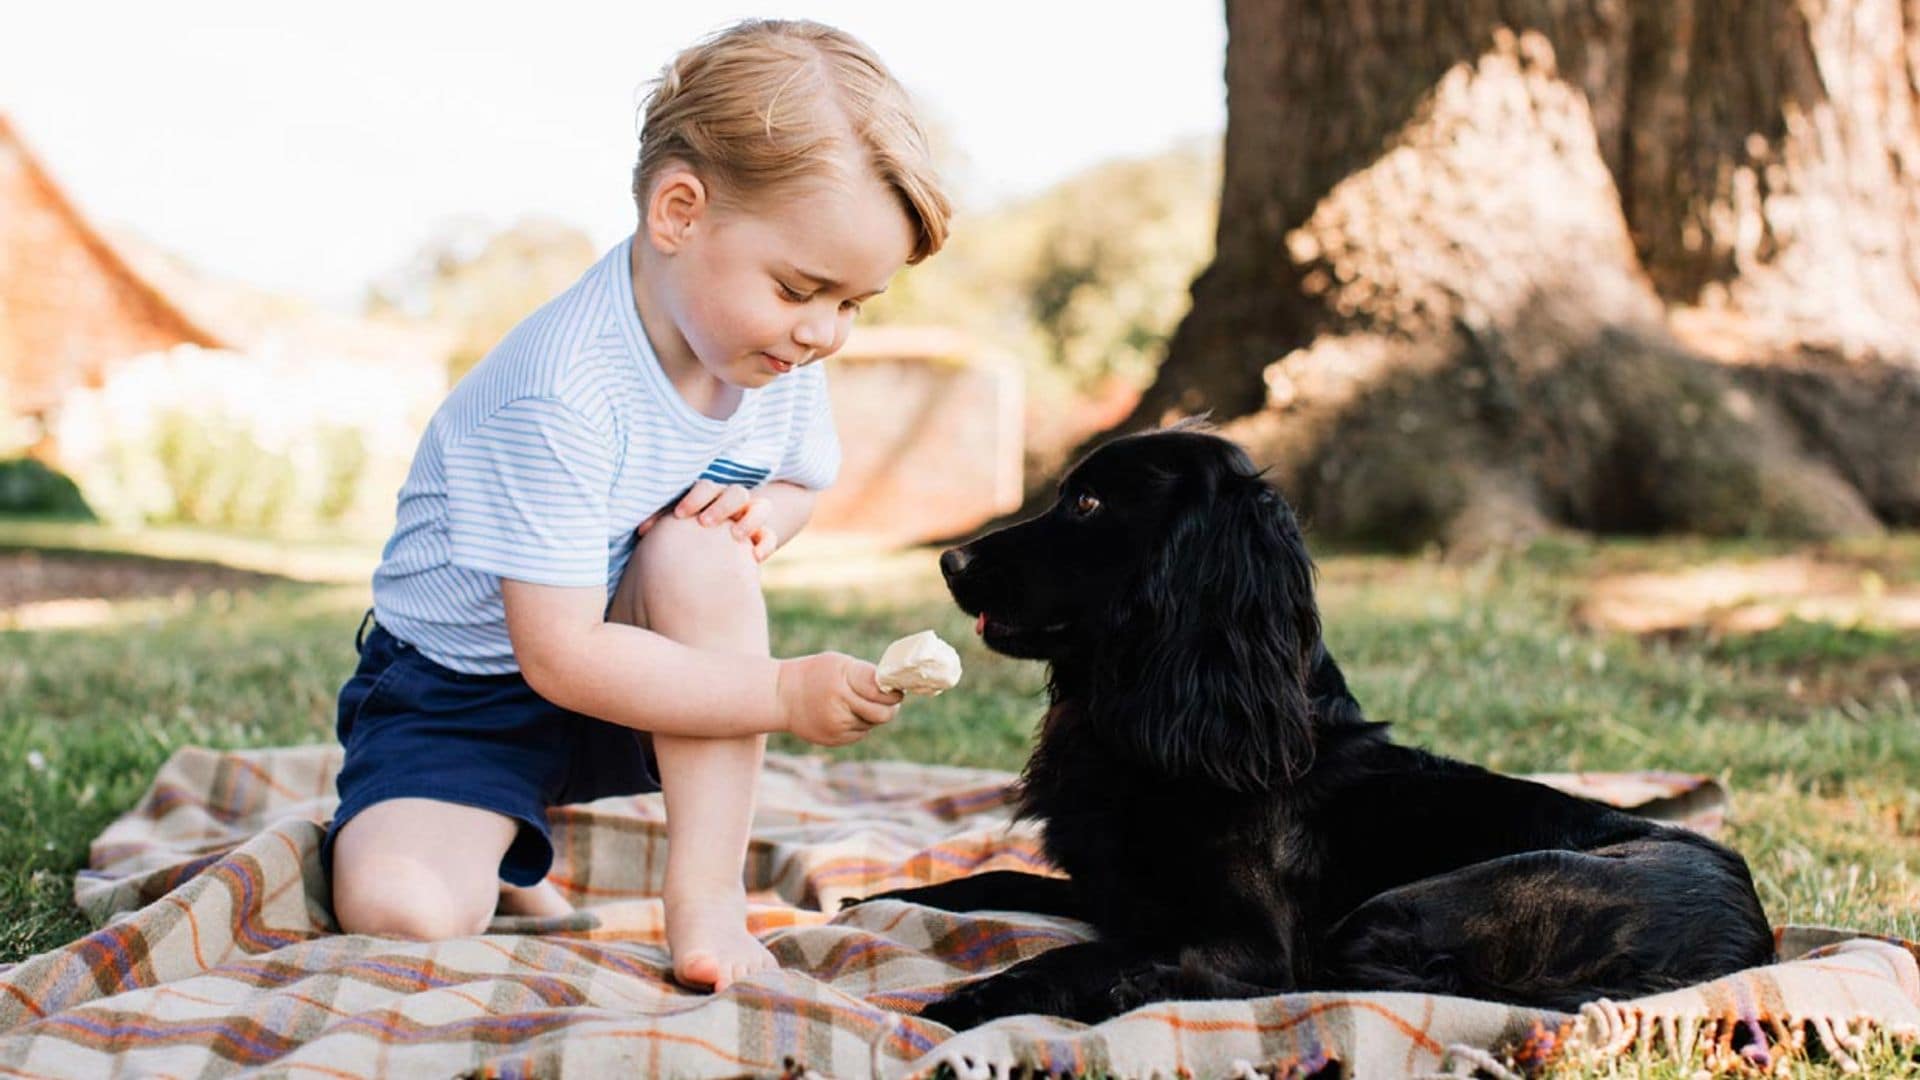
[30, 487]
[263, 444]
[343, 452]
[1086, 281]
[216, 474]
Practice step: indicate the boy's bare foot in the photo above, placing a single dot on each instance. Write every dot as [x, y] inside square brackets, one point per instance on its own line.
[707, 934]
[540, 900]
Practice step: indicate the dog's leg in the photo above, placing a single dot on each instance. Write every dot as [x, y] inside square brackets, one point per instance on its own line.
[1099, 980]
[997, 890]
[1077, 982]
[1205, 973]
[1558, 928]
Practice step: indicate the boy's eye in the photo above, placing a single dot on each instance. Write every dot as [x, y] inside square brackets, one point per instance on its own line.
[851, 305]
[792, 293]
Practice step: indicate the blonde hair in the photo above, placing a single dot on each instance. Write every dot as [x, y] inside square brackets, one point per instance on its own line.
[766, 102]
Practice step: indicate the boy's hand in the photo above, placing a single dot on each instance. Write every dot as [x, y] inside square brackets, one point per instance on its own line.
[831, 699]
[714, 503]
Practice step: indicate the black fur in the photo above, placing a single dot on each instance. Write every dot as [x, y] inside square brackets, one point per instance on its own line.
[1230, 823]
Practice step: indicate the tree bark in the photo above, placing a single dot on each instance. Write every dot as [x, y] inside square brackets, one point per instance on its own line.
[1488, 268]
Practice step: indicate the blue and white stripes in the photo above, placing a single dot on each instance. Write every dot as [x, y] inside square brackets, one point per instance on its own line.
[541, 462]
[723, 471]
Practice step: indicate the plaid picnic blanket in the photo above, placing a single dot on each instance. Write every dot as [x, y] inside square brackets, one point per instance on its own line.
[218, 955]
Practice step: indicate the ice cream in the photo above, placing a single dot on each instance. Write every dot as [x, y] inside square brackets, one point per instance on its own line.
[919, 664]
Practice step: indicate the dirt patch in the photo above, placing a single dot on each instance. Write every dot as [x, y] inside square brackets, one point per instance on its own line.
[1825, 629]
[64, 588]
[1749, 597]
[1878, 679]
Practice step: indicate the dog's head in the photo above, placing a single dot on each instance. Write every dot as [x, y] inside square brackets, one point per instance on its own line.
[1170, 589]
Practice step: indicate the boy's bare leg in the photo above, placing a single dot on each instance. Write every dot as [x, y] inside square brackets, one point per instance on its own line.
[419, 868]
[709, 785]
[542, 900]
[701, 587]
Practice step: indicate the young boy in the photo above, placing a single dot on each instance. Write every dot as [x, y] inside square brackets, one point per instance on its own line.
[569, 606]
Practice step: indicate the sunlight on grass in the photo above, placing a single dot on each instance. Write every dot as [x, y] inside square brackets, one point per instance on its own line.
[313, 559]
[1812, 727]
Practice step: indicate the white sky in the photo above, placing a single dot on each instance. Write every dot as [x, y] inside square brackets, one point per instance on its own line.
[310, 147]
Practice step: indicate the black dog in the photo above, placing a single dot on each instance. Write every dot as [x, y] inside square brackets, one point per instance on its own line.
[1230, 823]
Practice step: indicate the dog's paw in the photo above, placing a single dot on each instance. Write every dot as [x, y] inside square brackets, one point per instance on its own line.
[1126, 994]
[928, 895]
[890, 894]
[947, 1013]
[1009, 993]
[959, 1011]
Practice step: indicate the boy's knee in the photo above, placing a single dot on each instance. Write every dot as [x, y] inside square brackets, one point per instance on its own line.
[406, 899]
[694, 560]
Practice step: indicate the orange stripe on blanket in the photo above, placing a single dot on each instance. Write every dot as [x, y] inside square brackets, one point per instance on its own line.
[248, 765]
[193, 925]
[1179, 1023]
[1888, 977]
[579, 888]
[163, 990]
[316, 1003]
[293, 849]
[31, 1005]
[765, 920]
[478, 1005]
[923, 869]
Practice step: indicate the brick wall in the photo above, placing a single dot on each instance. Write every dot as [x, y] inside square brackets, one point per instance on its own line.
[68, 305]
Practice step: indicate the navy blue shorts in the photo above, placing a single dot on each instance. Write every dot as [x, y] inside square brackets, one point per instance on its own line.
[416, 730]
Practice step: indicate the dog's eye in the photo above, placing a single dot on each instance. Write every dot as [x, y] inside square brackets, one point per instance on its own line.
[1085, 504]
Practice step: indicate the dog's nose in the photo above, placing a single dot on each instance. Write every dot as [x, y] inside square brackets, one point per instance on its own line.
[953, 562]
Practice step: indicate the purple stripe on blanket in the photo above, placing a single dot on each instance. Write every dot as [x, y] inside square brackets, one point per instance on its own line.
[238, 1040]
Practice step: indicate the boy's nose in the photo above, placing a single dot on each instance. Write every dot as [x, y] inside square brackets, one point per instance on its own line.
[809, 336]
[814, 333]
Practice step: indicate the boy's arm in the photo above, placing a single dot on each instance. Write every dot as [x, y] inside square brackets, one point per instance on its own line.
[573, 657]
[791, 508]
[577, 660]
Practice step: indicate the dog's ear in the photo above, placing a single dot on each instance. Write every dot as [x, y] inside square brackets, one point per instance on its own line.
[1204, 673]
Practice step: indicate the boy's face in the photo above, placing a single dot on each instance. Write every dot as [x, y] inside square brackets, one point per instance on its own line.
[756, 291]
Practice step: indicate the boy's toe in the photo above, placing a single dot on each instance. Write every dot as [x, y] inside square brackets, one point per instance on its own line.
[699, 971]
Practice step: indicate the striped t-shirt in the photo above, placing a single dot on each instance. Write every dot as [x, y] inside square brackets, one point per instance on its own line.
[547, 455]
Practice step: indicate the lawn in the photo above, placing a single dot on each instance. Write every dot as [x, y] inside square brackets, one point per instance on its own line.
[1812, 725]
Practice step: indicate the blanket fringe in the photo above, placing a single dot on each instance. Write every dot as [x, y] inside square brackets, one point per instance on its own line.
[1462, 1059]
[890, 1025]
[970, 1068]
[1606, 1031]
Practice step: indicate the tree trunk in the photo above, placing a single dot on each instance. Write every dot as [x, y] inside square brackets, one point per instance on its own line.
[1485, 269]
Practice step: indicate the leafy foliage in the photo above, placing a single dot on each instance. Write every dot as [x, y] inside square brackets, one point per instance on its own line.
[28, 486]
[232, 440]
[1084, 282]
[482, 283]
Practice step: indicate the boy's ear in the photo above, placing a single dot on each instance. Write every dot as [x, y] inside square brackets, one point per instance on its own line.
[678, 202]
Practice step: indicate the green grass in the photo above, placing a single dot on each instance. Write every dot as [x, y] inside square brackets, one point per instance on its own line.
[1815, 729]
